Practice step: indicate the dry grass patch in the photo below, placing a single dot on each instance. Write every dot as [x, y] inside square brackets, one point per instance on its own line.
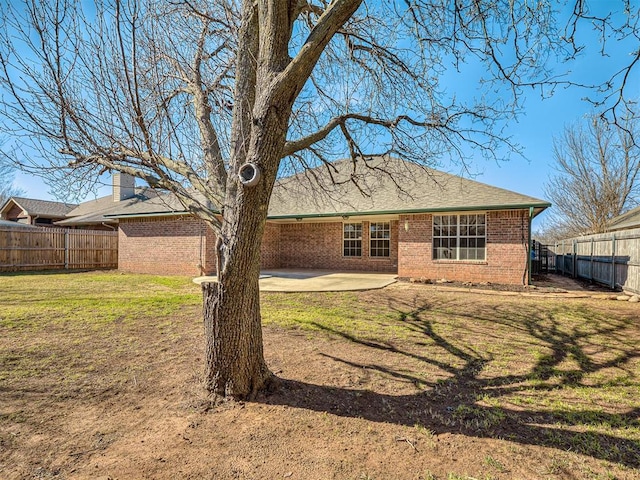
[99, 377]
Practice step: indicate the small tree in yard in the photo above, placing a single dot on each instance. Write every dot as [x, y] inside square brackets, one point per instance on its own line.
[184, 94]
[7, 189]
[597, 176]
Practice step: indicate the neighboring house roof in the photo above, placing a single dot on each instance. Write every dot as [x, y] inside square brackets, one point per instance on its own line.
[40, 208]
[378, 186]
[10, 224]
[626, 221]
[94, 212]
[91, 212]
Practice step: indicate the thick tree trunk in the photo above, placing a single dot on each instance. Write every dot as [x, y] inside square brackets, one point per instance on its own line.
[235, 366]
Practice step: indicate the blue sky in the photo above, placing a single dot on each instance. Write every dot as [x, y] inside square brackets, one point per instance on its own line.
[534, 129]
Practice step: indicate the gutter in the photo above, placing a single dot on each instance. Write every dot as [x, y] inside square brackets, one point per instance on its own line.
[542, 206]
[148, 214]
[532, 209]
[531, 215]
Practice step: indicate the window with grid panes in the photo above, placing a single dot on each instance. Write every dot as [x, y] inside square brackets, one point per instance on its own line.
[379, 239]
[459, 237]
[352, 239]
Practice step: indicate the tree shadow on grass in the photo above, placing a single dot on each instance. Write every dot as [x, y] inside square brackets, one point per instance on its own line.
[452, 405]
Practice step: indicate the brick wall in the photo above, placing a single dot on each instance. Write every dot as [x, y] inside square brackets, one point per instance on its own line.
[319, 246]
[179, 245]
[185, 246]
[506, 255]
[270, 248]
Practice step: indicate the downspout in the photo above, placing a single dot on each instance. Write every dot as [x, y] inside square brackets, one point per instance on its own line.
[113, 229]
[202, 262]
[530, 246]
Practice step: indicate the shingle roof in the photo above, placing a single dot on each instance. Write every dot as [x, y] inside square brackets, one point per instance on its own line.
[626, 221]
[95, 211]
[387, 185]
[384, 185]
[43, 208]
[12, 224]
[162, 204]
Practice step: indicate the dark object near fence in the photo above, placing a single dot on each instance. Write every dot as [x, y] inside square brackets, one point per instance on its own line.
[543, 258]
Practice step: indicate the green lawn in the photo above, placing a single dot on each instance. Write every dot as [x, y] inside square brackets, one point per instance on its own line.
[553, 373]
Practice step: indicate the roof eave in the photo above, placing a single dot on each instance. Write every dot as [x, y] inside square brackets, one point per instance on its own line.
[79, 224]
[538, 208]
[4, 205]
[148, 214]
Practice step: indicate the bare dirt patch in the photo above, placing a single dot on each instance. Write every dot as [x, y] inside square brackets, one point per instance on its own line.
[443, 385]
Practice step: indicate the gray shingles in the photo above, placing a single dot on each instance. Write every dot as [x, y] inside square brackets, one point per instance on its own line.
[382, 185]
[44, 208]
[388, 185]
[11, 224]
[626, 221]
[96, 211]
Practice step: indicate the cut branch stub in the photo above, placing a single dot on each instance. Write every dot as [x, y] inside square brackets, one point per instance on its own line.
[249, 174]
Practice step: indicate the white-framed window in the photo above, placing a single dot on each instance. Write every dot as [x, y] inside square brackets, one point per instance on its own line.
[379, 239]
[460, 237]
[352, 239]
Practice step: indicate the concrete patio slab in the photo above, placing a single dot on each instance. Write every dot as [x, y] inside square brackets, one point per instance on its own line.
[294, 280]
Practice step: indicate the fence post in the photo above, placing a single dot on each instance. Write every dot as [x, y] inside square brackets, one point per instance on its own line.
[591, 261]
[66, 249]
[575, 259]
[613, 262]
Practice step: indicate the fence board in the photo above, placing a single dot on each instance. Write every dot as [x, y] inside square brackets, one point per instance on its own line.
[56, 248]
[612, 259]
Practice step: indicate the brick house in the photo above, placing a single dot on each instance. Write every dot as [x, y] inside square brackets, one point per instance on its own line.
[379, 215]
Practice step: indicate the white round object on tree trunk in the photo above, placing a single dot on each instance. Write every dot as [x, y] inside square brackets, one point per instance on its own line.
[249, 174]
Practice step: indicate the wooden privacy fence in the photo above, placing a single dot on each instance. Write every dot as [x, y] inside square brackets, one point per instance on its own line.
[56, 248]
[612, 259]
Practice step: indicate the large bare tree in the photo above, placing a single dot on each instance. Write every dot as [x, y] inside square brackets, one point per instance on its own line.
[183, 94]
[597, 166]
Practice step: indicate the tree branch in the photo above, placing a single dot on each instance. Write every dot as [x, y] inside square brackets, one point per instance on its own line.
[305, 142]
[299, 68]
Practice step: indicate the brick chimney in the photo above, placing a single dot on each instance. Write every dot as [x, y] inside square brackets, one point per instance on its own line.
[124, 186]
